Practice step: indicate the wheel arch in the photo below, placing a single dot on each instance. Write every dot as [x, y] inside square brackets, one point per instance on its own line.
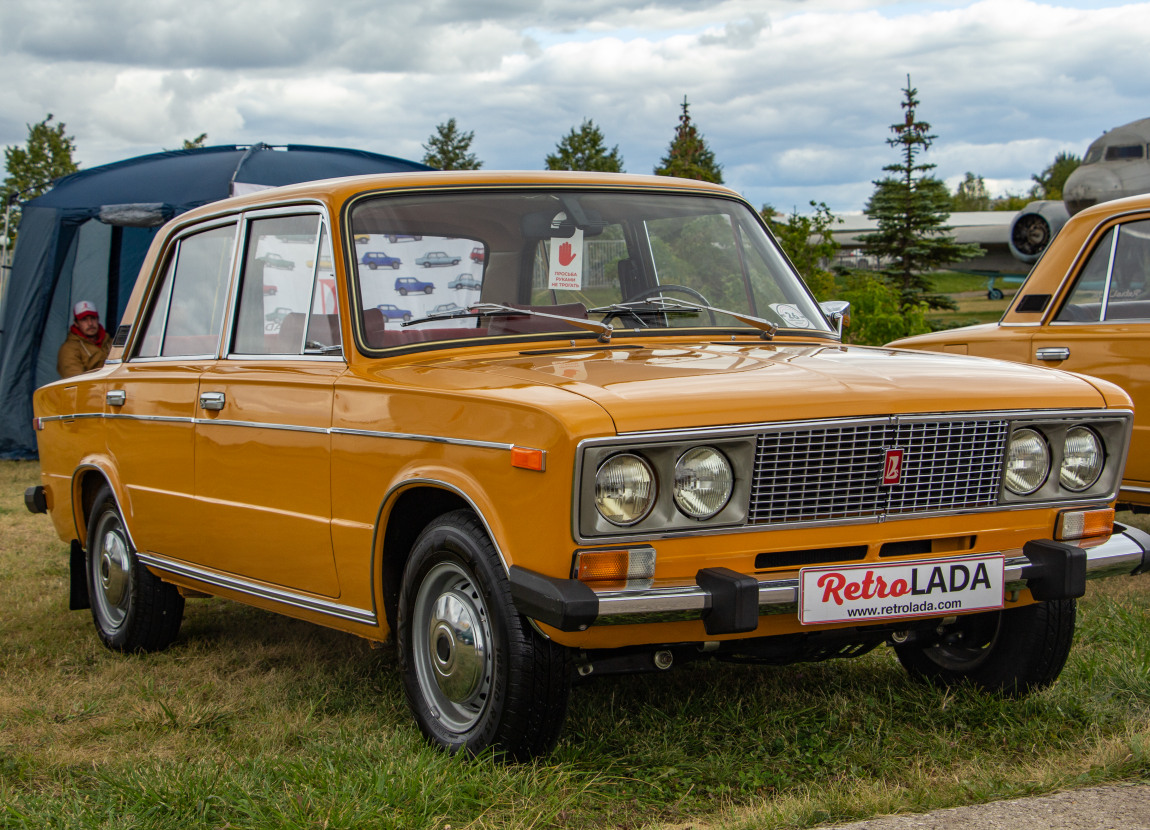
[405, 512]
[87, 480]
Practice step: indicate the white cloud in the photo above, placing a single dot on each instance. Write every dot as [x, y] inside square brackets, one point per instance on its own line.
[795, 97]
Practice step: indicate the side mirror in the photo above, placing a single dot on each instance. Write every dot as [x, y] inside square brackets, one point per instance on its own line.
[838, 312]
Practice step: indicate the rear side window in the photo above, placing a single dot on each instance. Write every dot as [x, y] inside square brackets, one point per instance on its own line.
[287, 301]
[188, 311]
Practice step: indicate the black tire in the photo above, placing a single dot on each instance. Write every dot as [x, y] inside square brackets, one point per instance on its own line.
[395, 266]
[371, 265]
[133, 610]
[478, 676]
[1014, 652]
[403, 292]
[429, 289]
[994, 294]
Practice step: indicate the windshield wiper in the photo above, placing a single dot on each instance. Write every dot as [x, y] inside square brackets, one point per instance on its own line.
[766, 327]
[498, 310]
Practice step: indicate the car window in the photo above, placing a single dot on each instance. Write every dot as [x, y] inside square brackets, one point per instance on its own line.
[287, 288]
[1129, 297]
[568, 257]
[187, 315]
[1084, 305]
[1115, 282]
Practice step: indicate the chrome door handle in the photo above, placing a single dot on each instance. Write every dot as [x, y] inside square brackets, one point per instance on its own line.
[1053, 353]
[213, 401]
[116, 397]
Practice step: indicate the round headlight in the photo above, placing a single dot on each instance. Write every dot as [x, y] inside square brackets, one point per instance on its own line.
[1027, 462]
[624, 489]
[703, 482]
[1082, 459]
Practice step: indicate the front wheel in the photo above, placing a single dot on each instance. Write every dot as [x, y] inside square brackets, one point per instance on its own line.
[132, 609]
[478, 676]
[1014, 652]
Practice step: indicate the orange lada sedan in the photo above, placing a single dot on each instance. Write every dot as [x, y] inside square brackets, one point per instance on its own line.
[636, 443]
[1085, 307]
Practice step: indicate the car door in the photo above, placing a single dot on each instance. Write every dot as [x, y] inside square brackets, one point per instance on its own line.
[1102, 328]
[262, 444]
[152, 400]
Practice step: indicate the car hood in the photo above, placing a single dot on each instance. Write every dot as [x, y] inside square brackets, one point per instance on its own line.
[672, 386]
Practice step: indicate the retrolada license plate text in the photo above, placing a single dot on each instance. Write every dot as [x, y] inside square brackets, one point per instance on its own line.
[919, 589]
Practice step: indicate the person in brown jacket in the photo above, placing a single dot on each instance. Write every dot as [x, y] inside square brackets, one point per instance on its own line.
[87, 345]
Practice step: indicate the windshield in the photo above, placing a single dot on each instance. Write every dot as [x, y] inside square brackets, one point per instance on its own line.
[450, 266]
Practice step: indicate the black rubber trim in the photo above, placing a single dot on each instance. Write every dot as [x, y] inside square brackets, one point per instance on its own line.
[733, 600]
[35, 499]
[566, 604]
[1057, 569]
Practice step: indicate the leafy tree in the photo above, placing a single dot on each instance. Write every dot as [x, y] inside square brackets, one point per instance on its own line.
[971, 194]
[808, 243]
[1010, 201]
[448, 148]
[583, 149]
[32, 168]
[911, 208]
[195, 143]
[688, 157]
[1049, 183]
[878, 314]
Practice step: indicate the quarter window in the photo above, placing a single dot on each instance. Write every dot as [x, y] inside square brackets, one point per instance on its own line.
[187, 315]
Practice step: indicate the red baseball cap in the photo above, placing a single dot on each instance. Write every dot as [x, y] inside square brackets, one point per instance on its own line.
[83, 309]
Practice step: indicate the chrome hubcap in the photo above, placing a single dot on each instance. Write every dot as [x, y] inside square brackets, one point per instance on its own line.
[456, 644]
[451, 646]
[112, 580]
[114, 568]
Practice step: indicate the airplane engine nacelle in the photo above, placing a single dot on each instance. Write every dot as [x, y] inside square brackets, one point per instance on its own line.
[1034, 227]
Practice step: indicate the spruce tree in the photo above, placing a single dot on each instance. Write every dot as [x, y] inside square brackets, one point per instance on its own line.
[688, 157]
[448, 148]
[583, 149]
[911, 208]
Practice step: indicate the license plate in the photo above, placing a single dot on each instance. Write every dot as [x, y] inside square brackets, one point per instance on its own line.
[862, 593]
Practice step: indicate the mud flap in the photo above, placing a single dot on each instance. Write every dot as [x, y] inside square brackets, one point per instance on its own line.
[77, 568]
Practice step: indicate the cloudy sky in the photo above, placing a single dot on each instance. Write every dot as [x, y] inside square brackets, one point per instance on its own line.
[795, 97]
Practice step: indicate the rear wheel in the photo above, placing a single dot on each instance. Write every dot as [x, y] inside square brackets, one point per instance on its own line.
[1014, 652]
[478, 676]
[132, 609]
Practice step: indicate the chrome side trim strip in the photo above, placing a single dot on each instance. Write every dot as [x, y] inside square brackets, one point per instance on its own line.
[682, 599]
[433, 439]
[361, 433]
[255, 589]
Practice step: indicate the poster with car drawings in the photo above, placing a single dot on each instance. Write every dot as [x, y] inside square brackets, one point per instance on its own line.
[411, 277]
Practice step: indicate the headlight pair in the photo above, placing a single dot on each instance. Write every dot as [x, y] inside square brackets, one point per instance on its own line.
[626, 486]
[1028, 460]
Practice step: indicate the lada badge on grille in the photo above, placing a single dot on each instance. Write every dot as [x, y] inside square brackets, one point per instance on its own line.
[892, 469]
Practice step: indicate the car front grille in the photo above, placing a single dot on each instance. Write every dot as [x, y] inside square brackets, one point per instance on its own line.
[836, 472]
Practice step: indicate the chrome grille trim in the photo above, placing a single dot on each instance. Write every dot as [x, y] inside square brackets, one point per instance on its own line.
[835, 471]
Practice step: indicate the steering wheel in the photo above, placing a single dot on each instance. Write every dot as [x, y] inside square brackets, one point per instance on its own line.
[659, 289]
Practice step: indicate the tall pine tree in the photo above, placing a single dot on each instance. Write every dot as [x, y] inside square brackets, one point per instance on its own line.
[688, 157]
[911, 208]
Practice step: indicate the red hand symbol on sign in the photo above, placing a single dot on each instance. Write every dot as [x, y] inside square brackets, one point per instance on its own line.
[566, 257]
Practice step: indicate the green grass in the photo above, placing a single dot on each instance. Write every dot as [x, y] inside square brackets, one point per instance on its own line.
[254, 720]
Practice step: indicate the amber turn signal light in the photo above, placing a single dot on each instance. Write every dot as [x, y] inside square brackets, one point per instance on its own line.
[1082, 524]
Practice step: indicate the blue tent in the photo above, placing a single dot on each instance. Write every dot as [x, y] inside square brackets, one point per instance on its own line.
[86, 238]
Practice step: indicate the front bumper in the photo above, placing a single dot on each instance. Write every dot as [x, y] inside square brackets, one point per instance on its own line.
[728, 602]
